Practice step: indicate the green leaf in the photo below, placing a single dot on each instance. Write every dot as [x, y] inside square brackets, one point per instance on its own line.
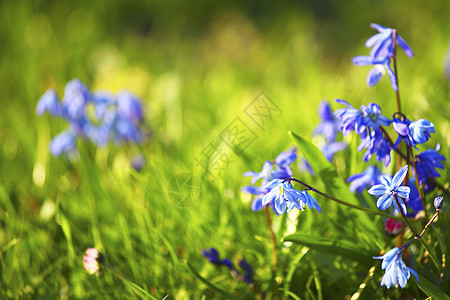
[333, 246]
[335, 186]
[430, 289]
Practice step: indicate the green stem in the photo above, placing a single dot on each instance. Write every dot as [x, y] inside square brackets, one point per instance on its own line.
[403, 215]
[365, 209]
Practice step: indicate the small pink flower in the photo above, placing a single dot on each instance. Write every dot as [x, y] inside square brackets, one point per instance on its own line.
[393, 227]
[92, 260]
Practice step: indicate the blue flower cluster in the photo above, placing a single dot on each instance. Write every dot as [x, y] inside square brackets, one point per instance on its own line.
[278, 169]
[366, 122]
[381, 54]
[213, 256]
[99, 116]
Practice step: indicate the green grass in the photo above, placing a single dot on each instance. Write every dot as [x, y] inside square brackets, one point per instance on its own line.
[196, 69]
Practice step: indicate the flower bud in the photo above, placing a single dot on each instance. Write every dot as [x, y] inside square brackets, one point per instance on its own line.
[438, 202]
[393, 227]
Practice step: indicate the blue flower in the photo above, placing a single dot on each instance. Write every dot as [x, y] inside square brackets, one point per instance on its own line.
[138, 162]
[361, 181]
[351, 119]
[265, 174]
[49, 102]
[438, 202]
[329, 149]
[129, 106]
[426, 164]
[375, 142]
[76, 96]
[389, 188]
[373, 118]
[248, 271]
[397, 273]
[419, 131]
[213, 256]
[381, 66]
[382, 43]
[329, 126]
[63, 143]
[286, 197]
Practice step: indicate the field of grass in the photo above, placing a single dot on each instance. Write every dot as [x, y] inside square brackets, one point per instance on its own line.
[198, 69]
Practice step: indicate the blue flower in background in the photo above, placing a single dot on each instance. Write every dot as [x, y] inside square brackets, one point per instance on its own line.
[382, 43]
[426, 164]
[76, 96]
[265, 174]
[396, 272]
[129, 106]
[100, 116]
[63, 143]
[329, 149]
[49, 102]
[213, 256]
[389, 188]
[138, 162]
[369, 177]
[329, 126]
[248, 271]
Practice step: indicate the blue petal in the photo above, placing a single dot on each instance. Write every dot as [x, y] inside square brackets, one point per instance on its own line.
[399, 177]
[377, 190]
[375, 75]
[362, 60]
[384, 201]
[404, 46]
[403, 191]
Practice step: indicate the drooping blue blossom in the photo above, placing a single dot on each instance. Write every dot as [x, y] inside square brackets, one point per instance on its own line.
[426, 164]
[419, 131]
[259, 192]
[413, 133]
[396, 271]
[389, 189]
[49, 102]
[381, 54]
[248, 271]
[380, 67]
[375, 142]
[285, 197]
[329, 125]
[373, 118]
[369, 177]
[383, 45]
[63, 143]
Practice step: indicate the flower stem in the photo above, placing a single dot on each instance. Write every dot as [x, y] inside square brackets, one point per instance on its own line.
[403, 215]
[365, 209]
[394, 58]
[274, 241]
[428, 224]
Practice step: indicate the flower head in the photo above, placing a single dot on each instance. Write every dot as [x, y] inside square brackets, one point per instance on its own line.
[413, 200]
[361, 181]
[285, 197]
[426, 164]
[248, 271]
[389, 189]
[397, 273]
[380, 67]
[350, 118]
[63, 143]
[329, 126]
[49, 102]
[92, 260]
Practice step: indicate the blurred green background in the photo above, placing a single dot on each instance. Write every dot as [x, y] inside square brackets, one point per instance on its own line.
[196, 66]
